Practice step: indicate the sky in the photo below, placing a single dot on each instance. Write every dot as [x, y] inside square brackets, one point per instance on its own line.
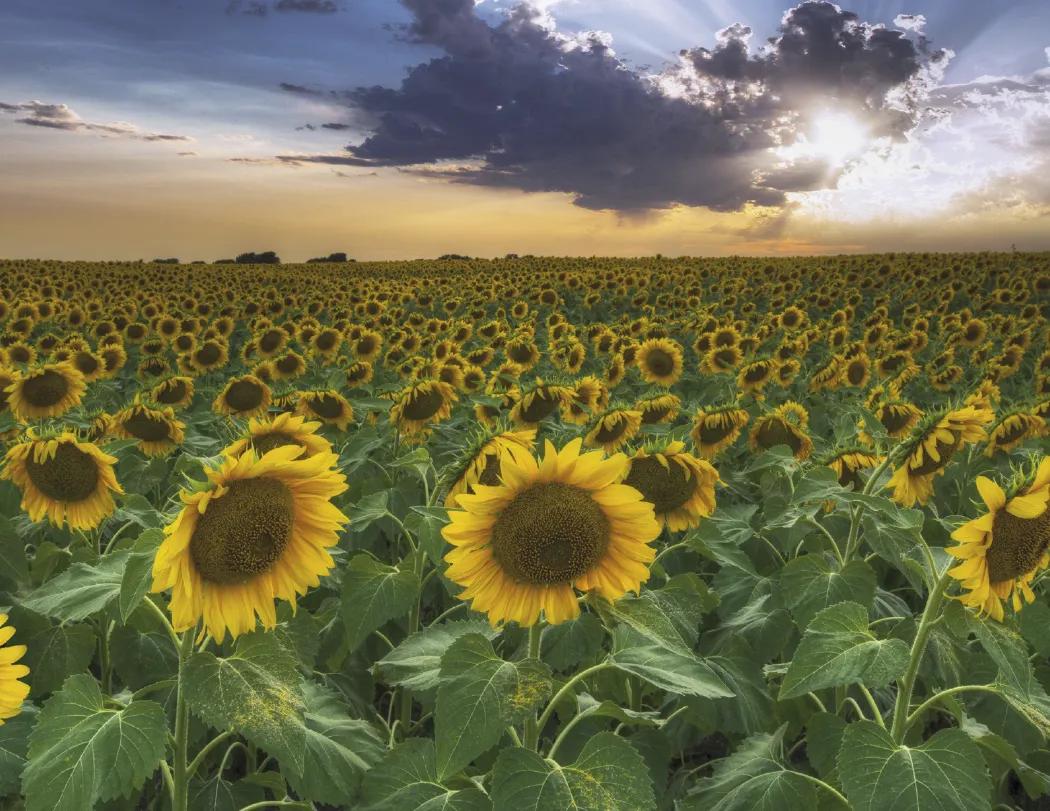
[204, 128]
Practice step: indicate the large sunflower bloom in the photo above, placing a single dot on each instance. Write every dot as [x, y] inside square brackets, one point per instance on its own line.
[717, 429]
[660, 361]
[1004, 549]
[284, 429]
[48, 391]
[422, 403]
[1012, 430]
[12, 691]
[552, 524]
[482, 465]
[680, 486]
[932, 448]
[63, 478]
[260, 532]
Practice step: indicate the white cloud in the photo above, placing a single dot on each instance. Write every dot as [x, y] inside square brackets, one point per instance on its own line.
[63, 117]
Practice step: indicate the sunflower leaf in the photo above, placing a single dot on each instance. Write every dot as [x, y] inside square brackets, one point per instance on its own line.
[254, 691]
[416, 663]
[374, 594]
[407, 777]
[811, 585]
[138, 573]
[839, 649]
[81, 752]
[81, 590]
[946, 772]
[14, 742]
[480, 694]
[609, 775]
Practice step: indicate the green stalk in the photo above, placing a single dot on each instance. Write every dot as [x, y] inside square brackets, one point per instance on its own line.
[531, 738]
[413, 626]
[905, 686]
[180, 772]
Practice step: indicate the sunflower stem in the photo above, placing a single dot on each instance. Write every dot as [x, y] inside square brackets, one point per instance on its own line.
[905, 686]
[180, 772]
[413, 625]
[951, 691]
[531, 738]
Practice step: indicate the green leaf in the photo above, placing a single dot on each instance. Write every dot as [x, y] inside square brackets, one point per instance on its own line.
[81, 590]
[668, 616]
[142, 656]
[81, 752]
[339, 749]
[426, 524]
[416, 662]
[374, 594]
[14, 567]
[55, 652]
[1035, 627]
[679, 673]
[137, 508]
[838, 649]
[823, 740]
[755, 776]
[590, 707]
[369, 510]
[254, 691]
[407, 778]
[217, 794]
[1017, 682]
[810, 585]
[138, 573]
[14, 742]
[609, 775]
[480, 694]
[570, 644]
[946, 772]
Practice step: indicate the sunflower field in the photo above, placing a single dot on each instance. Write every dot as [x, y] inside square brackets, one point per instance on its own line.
[463, 535]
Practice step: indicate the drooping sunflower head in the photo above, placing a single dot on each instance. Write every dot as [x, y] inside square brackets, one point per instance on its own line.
[422, 404]
[898, 418]
[680, 486]
[209, 355]
[552, 524]
[283, 430]
[480, 463]
[245, 396]
[359, 373]
[662, 408]
[50, 390]
[754, 376]
[1013, 429]
[157, 429]
[847, 464]
[1003, 550]
[68, 481]
[659, 361]
[329, 406]
[540, 401]
[613, 429]
[259, 532]
[784, 425]
[175, 392]
[716, 428]
[13, 691]
[933, 443]
[8, 377]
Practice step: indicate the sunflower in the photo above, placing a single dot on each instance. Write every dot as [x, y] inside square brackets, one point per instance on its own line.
[329, 406]
[521, 546]
[175, 392]
[930, 449]
[660, 361]
[359, 373]
[422, 403]
[717, 429]
[898, 418]
[284, 429]
[848, 463]
[245, 396]
[260, 531]
[210, 355]
[587, 395]
[157, 429]
[481, 465]
[49, 390]
[613, 429]
[12, 691]
[784, 425]
[63, 478]
[1004, 549]
[540, 402]
[1012, 430]
[680, 486]
[754, 376]
[659, 409]
[8, 377]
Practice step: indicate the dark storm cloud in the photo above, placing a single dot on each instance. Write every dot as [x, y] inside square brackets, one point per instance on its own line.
[308, 6]
[335, 125]
[299, 89]
[520, 105]
[62, 117]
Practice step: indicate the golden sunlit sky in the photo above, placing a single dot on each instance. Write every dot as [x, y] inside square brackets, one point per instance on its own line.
[394, 130]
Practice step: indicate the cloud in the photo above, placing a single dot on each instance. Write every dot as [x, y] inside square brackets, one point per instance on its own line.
[62, 117]
[334, 125]
[519, 104]
[910, 22]
[299, 89]
[308, 6]
[250, 8]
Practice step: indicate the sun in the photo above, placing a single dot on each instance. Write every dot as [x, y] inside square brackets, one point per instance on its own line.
[837, 137]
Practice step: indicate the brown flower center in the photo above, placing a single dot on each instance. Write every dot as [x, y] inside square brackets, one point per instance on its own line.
[1018, 545]
[424, 404]
[325, 406]
[666, 488]
[244, 395]
[172, 393]
[611, 433]
[776, 431]
[70, 475]
[541, 406]
[147, 427]
[243, 532]
[264, 443]
[45, 389]
[659, 362]
[551, 533]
